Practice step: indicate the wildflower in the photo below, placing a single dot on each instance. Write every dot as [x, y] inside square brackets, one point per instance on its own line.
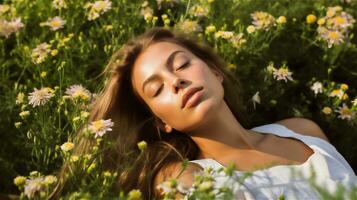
[205, 186]
[49, 180]
[344, 87]
[199, 11]
[310, 19]
[134, 195]
[9, 27]
[147, 12]
[167, 187]
[67, 146]
[256, 99]
[40, 97]
[84, 115]
[331, 11]
[78, 91]
[345, 96]
[345, 112]
[20, 98]
[39, 54]
[33, 186]
[327, 110]
[250, 29]
[271, 68]
[189, 26]
[18, 124]
[74, 158]
[337, 93]
[24, 114]
[342, 21]
[97, 8]
[282, 73]
[4, 8]
[281, 20]
[54, 52]
[100, 127]
[354, 102]
[334, 27]
[142, 145]
[332, 37]
[20, 181]
[107, 174]
[54, 23]
[43, 74]
[210, 29]
[317, 87]
[321, 22]
[237, 40]
[59, 4]
[224, 34]
[262, 20]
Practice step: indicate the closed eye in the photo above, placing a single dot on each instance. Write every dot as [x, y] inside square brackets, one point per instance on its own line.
[184, 65]
[158, 91]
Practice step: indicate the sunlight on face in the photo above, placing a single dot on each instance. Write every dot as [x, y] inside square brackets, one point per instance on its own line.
[155, 76]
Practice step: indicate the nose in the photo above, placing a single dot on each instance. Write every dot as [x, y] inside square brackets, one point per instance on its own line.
[178, 83]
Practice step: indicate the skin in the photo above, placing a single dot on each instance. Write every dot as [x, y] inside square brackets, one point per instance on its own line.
[211, 124]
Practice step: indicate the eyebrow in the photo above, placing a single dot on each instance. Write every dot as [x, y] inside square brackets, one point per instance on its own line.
[168, 64]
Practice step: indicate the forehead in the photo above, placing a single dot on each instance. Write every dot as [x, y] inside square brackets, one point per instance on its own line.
[153, 59]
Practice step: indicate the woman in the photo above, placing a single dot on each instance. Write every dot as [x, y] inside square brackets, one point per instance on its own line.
[176, 95]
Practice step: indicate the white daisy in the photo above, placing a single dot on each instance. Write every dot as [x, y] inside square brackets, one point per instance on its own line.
[54, 23]
[59, 4]
[40, 53]
[97, 8]
[317, 87]
[78, 91]
[337, 93]
[100, 127]
[40, 97]
[9, 27]
[34, 186]
[67, 146]
[262, 20]
[345, 112]
[282, 73]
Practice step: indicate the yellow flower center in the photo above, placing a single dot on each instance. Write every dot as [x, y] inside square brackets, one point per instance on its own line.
[333, 35]
[80, 94]
[283, 71]
[97, 125]
[55, 23]
[345, 111]
[340, 20]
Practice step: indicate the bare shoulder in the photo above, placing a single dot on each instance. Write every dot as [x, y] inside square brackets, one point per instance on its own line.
[304, 126]
[175, 171]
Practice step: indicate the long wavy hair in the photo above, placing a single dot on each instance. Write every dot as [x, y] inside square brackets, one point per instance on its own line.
[134, 121]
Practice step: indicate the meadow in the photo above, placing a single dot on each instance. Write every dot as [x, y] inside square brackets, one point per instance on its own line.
[293, 59]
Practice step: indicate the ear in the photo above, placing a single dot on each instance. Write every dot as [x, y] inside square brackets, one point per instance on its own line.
[163, 126]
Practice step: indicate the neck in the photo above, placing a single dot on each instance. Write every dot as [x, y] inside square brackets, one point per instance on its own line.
[222, 134]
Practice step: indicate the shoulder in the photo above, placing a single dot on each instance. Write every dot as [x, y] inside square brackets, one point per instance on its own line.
[304, 126]
[184, 177]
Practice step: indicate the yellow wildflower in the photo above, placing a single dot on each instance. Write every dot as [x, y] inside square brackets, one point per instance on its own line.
[281, 20]
[327, 110]
[310, 19]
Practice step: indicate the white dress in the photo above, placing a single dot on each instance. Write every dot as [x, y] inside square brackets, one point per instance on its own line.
[330, 167]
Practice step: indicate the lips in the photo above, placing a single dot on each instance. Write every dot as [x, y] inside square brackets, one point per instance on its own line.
[189, 94]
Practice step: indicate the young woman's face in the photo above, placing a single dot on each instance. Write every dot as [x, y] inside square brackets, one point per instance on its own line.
[164, 73]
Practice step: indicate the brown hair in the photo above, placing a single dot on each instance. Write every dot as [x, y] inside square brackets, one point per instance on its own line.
[134, 122]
